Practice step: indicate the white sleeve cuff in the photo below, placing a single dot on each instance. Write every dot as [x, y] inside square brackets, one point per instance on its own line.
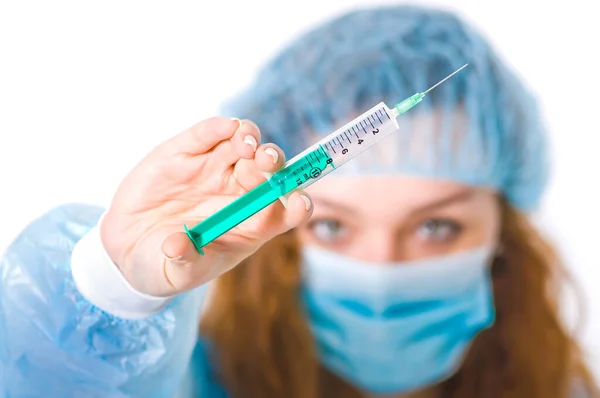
[101, 282]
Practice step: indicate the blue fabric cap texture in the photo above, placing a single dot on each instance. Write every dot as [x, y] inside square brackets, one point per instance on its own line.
[482, 127]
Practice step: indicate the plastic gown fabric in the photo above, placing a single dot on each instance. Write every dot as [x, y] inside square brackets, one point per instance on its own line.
[54, 343]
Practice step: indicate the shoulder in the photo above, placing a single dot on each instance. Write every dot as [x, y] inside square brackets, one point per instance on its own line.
[70, 221]
[49, 239]
[74, 214]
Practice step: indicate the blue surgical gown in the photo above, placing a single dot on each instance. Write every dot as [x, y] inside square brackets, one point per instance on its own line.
[55, 343]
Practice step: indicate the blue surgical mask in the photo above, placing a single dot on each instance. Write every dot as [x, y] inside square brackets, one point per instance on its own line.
[398, 327]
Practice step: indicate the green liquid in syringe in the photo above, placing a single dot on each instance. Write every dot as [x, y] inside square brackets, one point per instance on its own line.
[301, 173]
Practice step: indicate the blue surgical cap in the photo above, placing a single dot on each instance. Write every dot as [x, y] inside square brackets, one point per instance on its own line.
[481, 127]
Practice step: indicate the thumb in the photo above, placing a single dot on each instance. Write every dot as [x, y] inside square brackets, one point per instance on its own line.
[178, 247]
[185, 268]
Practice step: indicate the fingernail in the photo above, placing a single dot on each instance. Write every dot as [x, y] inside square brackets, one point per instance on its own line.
[175, 259]
[272, 153]
[179, 261]
[306, 200]
[250, 140]
[237, 120]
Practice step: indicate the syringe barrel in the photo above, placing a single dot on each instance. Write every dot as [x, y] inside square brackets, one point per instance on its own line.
[336, 149]
[361, 133]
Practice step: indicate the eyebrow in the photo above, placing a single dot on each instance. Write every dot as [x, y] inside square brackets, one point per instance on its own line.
[333, 204]
[459, 196]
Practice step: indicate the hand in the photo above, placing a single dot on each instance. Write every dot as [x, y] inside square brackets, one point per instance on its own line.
[183, 181]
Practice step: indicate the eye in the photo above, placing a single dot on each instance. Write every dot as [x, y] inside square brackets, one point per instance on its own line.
[328, 230]
[438, 230]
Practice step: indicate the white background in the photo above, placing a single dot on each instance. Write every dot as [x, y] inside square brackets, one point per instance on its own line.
[87, 88]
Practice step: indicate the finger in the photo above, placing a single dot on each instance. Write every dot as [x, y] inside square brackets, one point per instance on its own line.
[277, 219]
[269, 158]
[184, 267]
[299, 209]
[203, 136]
[242, 145]
[249, 173]
[177, 245]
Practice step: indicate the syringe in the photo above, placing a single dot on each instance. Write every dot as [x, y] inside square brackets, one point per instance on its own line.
[308, 166]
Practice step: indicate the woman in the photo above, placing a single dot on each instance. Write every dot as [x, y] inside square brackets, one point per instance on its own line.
[412, 272]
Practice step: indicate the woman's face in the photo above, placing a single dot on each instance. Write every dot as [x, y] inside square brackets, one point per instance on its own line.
[400, 218]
